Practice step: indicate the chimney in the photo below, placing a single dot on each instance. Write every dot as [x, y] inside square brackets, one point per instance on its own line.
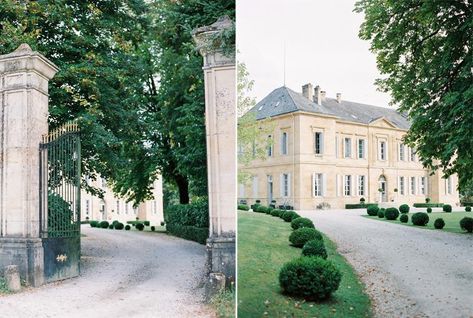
[339, 98]
[317, 95]
[322, 95]
[307, 91]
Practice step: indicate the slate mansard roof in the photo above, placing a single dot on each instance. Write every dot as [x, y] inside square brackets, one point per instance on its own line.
[284, 100]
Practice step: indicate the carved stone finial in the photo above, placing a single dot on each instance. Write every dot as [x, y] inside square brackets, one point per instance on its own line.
[24, 47]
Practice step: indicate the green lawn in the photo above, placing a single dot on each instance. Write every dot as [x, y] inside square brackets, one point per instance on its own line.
[3, 286]
[452, 221]
[263, 248]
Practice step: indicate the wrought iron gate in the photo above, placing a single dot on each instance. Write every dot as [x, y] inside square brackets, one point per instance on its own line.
[60, 175]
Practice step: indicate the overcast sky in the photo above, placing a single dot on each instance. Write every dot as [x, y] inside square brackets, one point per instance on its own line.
[322, 47]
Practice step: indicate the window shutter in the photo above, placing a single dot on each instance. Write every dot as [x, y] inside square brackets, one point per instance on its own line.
[313, 184]
[321, 143]
[365, 182]
[352, 184]
[281, 185]
[324, 184]
[289, 185]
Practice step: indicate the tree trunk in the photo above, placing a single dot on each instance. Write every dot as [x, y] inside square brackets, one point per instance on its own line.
[183, 186]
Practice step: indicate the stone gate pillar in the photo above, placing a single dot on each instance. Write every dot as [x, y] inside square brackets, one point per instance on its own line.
[220, 114]
[24, 77]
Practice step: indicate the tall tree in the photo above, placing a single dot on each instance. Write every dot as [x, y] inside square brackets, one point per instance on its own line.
[424, 52]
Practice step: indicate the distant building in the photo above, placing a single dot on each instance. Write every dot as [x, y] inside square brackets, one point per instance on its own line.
[330, 151]
[111, 207]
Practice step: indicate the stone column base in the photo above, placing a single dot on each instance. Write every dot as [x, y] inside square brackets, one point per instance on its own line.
[27, 254]
[221, 257]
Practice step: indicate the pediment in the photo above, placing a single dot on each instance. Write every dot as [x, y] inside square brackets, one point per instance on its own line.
[382, 122]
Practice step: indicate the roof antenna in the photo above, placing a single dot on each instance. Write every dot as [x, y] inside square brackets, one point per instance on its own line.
[284, 63]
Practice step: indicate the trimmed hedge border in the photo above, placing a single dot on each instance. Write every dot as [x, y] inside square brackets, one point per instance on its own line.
[359, 205]
[428, 205]
[196, 234]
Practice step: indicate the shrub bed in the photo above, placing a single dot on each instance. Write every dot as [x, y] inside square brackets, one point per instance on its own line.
[315, 248]
[404, 218]
[447, 208]
[391, 213]
[428, 205]
[298, 223]
[372, 210]
[468, 208]
[466, 224]
[439, 223]
[111, 226]
[196, 234]
[301, 236]
[153, 228]
[276, 212]
[104, 224]
[404, 208]
[420, 218]
[119, 226]
[127, 227]
[312, 278]
[429, 210]
[94, 223]
[381, 213]
[140, 226]
[360, 205]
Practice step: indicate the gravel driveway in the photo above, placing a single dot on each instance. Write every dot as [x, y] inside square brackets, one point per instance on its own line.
[124, 274]
[408, 272]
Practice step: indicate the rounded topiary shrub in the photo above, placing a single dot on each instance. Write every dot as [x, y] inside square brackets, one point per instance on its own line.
[312, 278]
[140, 226]
[466, 224]
[298, 223]
[439, 223]
[420, 218]
[404, 208]
[301, 236]
[372, 210]
[104, 224]
[153, 228]
[314, 248]
[404, 218]
[119, 226]
[429, 210]
[94, 223]
[127, 227]
[111, 226]
[391, 213]
[447, 208]
[276, 212]
[381, 213]
[288, 216]
[468, 208]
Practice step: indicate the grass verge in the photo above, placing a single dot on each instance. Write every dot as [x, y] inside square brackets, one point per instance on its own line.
[224, 304]
[263, 248]
[452, 221]
[3, 286]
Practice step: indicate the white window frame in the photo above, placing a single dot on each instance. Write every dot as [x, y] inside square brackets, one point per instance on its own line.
[285, 185]
[422, 186]
[241, 190]
[319, 139]
[347, 151]
[362, 143]
[402, 185]
[318, 185]
[361, 185]
[449, 185]
[87, 207]
[118, 206]
[382, 151]
[413, 186]
[255, 186]
[413, 155]
[347, 185]
[402, 154]
[284, 143]
[270, 150]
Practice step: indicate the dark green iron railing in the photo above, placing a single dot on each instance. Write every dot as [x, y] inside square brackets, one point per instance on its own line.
[60, 175]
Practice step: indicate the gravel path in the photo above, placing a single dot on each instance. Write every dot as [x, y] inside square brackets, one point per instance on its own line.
[124, 274]
[408, 272]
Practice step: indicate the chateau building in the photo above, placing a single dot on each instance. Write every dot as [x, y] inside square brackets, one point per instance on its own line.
[111, 207]
[328, 151]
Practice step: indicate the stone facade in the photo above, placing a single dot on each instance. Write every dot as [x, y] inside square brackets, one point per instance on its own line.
[335, 156]
[111, 207]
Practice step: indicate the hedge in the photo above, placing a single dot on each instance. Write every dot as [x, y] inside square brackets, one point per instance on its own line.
[428, 205]
[359, 205]
[243, 207]
[196, 234]
[193, 214]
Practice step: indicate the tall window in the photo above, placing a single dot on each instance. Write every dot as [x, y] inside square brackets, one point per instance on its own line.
[104, 183]
[401, 185]
[318, 186]
[255, 186]
[413, 185]
[319, 143]
[284, 143]
[449, 185]
[347, 147]
[127, 205]
[422, 185]
[87, 207]
[118, 207]
[285, 184]
[382, 150]
[336, 146]
[413, 154]
[347, 185]
[361, 149]
[270, 146]
[361, 185]
[155, 207]
[401, 152]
